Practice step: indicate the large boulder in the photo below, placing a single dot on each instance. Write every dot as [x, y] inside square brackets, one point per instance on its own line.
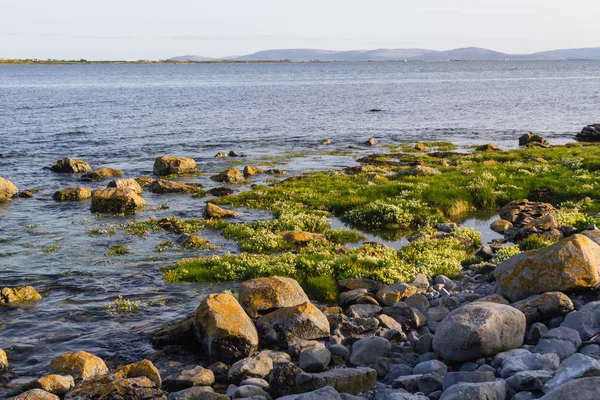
[224, 329]
[73, 194]
[478, 330]
[290, 325]
[544, 306]
[264, 295]
[586, 320]
[79, 364]
[7, 190]
[70, 166]
[113, 200]
[344, 380]
[585, 388]
[18, 294]
[170, 165]
[101, 174]
[55, 384]
[128, 183]
[569, 265]
[590, 133]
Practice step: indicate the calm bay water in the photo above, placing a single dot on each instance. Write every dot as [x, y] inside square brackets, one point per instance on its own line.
[123, 116]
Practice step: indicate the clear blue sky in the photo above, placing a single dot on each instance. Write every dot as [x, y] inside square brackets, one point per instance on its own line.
[153, 29]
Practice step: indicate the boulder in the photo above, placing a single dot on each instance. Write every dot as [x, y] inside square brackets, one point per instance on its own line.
[529, 380]
[250, 171]
[55, 384]
[79, 364]
[590, 133]
[315, 359]
[258, 366]
[113, 200]
[108, 388]
[170, 165]
[478, 330]
[101, 174]
[371, 142]
[487, 147]
[562, 341]
[544, 306]
[533, 139]
[586, 320]
[345, 380]
[70, 166]
[520, 212]
[224, 329]
[163, 186]
[290, 325]
[197, 376]
[128, 183]
[500, 226]
[214, 211]
[586, 389]
[396, 292]
[264, 295]
[527, 361]
[7, 190]
[283, 379]
[73, 194]
[476, 391]
[366, 351]
[569, 265]
[141, 368]
[454, 378]
[3, 361]
[35, 394]
[18, 294]
[231, 175]
[574, 367]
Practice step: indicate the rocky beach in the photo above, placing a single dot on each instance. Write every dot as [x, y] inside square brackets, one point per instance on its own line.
[360, 282]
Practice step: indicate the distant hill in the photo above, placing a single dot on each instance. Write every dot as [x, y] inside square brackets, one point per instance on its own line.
[466, 53]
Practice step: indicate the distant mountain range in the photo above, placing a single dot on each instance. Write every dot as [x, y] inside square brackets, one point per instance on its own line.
[467, 53]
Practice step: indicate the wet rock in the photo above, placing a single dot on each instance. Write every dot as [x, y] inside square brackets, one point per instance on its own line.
[574, 367]
[571, 264]
[562, 341]
[231, 175]
[476, 391]
[529, 380]
[258, 366]
[590, 133]
[487, 147]
[326, 142]
[586, 389]
[55, 384]
[366, 351]
[283, 379]
[544, 306]
[214, 211]
[112, 200]
[3, 361]
[454, 378]
[26, 194]
[500, 226]
[197, 393]
[7, 190]
[73, 194]
[170, 165]
[235, 154]
[106, 388]
[369, 285]
[586, 320]
[79, 364]
[371, 142]
[533, 139]
[478, 330]
[315, 360]
[35, 394]
[70, 166]
[301, 238]
[101, 174]
[144, 181]
[164, 186]
[191, 242]
[18, 294]
[197, 376]
[221, 154]
[294, 324]
[224, 329]
[250, 171]
[346, 380]
[527, 361]
[140, 368]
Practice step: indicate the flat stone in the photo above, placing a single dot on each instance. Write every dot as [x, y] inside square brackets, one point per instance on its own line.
[529, 362]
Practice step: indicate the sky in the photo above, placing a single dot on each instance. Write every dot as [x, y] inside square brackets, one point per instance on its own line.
[160, 29]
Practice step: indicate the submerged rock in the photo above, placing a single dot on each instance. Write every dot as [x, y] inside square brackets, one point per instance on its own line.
[478, 330]
[231, 175]
[101, 174]
[73, 194]
[569, 265]
[264, 295]
[224, 329]
[18, 294]
[79, 364]
[70, 166]
[171, 165]
[129, 183]
[163, 186]
[371, 142]
[113, 200]
[7, 190]
[214, 211]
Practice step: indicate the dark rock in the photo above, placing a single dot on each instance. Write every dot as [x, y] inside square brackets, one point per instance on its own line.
[453, 378]
[590, 133]
[347, 380]
[283, 379]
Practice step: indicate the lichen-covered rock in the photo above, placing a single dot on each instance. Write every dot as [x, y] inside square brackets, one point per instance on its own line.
[344, 380]
[113, 200]
[520, 212]
[101, 174]
[55, 384]
[224, 329]
[197, 376]
[163, 186]
[141, 368]
[144, 181]
[478, 330]
[73, 194]
[258, 366]
[70, 166]
[544, 306]
[128, 183]
[283, 379]
[231, 175]
[7, 190]
[170, 165]
[264, 295]
[214, 211]
[79, 364]
[35, 394]
[18, 294]
[249, 170]
[3, 361]
[533, 139]
[396, 292]
[571, 264]
[290, 325]
[109, 388]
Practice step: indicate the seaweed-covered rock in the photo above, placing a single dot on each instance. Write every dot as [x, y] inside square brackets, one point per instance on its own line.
[108, 388]
[224, 329]
[18, 294]
[571, 264]
[70, 166]
[113, 200]
[73, 194]
[531, 139]
[264, 295]
[231, 175]
[7, 190]
[79, 364]
[250, 171]
[163, 186]
[101, 174]
[128, 183]
[214, 211]
[171, 165]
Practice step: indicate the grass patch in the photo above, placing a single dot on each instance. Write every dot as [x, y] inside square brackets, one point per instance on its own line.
[322, 288]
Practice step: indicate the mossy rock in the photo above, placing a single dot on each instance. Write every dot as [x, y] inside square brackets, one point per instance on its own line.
[70, 166]
[250, 170]
[171, 165]
[73, 194]
[231, 175]
[101, 174]
[214, 211]
[129, 183]
[163, 186]
[19, 294]
[118, 201]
